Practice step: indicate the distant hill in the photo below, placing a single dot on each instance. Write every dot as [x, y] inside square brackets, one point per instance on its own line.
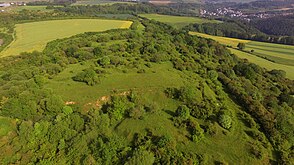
[246, 1]
[238, 1]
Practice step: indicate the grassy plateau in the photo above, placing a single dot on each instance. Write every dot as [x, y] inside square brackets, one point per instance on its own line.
[34, 36]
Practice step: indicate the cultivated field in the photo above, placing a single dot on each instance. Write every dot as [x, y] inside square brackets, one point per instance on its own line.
[223, 40]
[35, 36]
[35, 8]
[268, 55]
[177, 21]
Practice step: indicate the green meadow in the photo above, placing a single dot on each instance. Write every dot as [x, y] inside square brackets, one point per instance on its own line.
[157, 77]
[177, 21]
[268, 55]
[34, 36]
[35, 8]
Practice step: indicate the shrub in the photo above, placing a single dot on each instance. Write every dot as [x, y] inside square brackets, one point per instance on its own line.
[197, 133]
[212, 75]
[225, 121]
[141, 71]
[53, 104]
[136, 112]
[97, 51]
[164, 140]
[183, 112]
[151, 107]
[190, 95]
[83, 55]
[201, 112]
[249, 121]
[241, 46]
[67, 110]
[119, 107]
[104, 61]
[88, 76]
[141, 157]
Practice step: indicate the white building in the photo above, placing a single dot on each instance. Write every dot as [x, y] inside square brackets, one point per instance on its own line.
[4, 4]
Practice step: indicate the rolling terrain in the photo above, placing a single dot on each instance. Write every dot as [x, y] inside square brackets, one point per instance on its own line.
[122, 72]
[139, 91]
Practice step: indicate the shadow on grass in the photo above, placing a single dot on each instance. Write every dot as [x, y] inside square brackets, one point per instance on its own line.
[171, 113]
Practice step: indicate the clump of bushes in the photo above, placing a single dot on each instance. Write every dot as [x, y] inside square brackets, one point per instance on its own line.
[197, 133]
[88, 76]
[225, 121]
[183, 112]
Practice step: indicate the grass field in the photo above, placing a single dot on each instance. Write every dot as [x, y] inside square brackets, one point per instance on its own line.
[177, 21]
[35, 36]
[35, 8]
[282, 55]
[155, 78]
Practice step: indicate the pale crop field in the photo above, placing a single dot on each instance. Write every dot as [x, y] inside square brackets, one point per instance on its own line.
[223, 40]
[34, 36]
[280, 56]
[177, 21]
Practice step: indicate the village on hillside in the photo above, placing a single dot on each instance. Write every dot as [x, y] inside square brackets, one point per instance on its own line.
[4, 5]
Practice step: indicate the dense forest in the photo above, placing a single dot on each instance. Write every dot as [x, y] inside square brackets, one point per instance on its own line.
[218, 96]
[264, 4]
[125, 9]
[244, 30]
[280, 25]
